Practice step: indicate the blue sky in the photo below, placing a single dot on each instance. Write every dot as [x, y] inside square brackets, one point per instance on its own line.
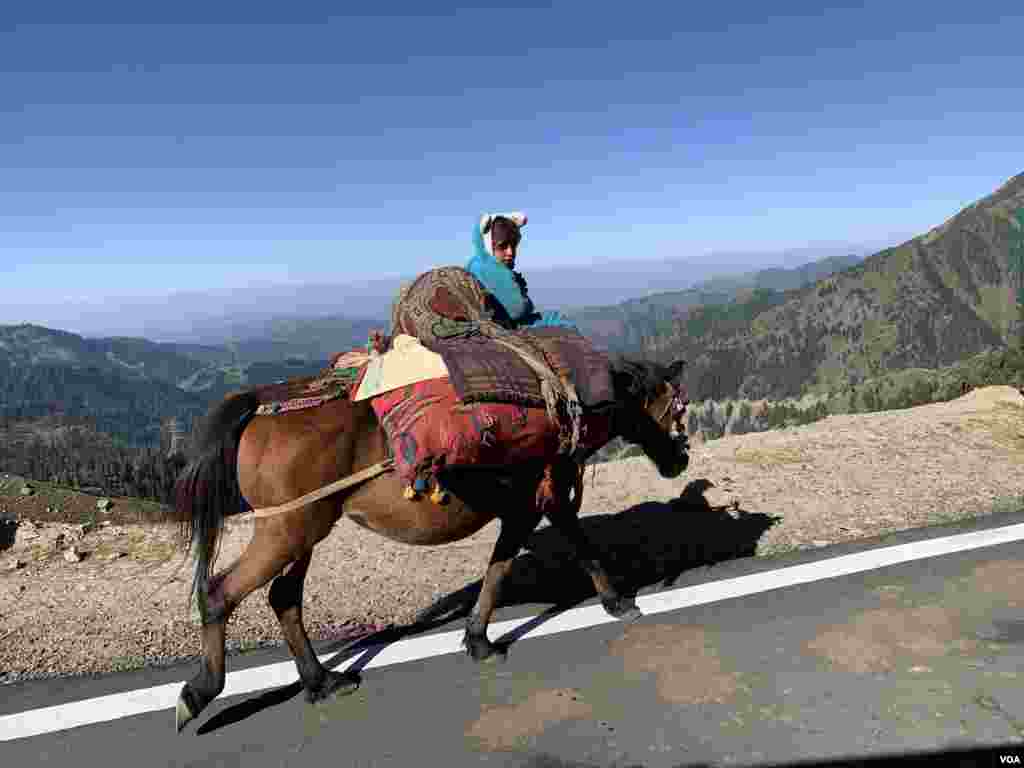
[149, 150]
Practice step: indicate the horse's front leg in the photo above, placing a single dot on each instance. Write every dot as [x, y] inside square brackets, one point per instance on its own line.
[562, 515]
[515, 531]
[285, 598]
[615, 603]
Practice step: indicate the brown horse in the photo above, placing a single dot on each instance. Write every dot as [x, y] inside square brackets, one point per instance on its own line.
[270, 460]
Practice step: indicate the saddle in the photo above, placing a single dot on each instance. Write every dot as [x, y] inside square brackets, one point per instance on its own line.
[456, 387]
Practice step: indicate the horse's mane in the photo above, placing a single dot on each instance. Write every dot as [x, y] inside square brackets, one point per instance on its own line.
[637, 379]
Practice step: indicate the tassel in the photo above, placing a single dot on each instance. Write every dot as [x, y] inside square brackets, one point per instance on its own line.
[410, 493]
[439, 496]
[551, 399]
[545, 496]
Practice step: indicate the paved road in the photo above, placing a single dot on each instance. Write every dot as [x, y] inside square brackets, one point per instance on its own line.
[920, 655]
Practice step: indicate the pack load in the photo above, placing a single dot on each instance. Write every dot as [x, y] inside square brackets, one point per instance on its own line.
[430, 428]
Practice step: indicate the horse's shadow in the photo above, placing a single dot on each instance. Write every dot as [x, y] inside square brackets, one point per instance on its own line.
[652, 543]
[648, 544]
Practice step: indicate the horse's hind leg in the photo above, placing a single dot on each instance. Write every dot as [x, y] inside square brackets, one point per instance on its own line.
[286, 600]
[514, 533]
[262, 560]
[207, 684]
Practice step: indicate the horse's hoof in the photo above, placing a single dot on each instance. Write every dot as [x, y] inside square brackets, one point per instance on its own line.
[623, 609]
[482, 650]
[334, 684]
[497, 655]
[188, 708]
[182, 715]
[631, 614]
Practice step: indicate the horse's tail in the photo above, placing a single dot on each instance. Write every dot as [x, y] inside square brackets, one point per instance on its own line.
[207, 489]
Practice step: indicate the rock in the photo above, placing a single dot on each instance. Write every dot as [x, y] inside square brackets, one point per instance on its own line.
[103, 504]
[114, 555]
[26, 490]
[15, 564]
[73, 533]
[26, 531]
[72, 555]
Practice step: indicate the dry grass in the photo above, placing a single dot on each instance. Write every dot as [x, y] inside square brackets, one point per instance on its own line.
[768, 457]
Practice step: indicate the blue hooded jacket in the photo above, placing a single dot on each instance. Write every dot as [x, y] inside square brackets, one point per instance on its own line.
[501, 283]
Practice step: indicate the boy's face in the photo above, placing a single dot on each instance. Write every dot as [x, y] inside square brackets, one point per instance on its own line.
[505, 239]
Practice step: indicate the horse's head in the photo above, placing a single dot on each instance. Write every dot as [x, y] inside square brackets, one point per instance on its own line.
[652, 411]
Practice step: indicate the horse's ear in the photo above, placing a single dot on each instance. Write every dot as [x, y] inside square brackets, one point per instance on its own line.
[675, 369]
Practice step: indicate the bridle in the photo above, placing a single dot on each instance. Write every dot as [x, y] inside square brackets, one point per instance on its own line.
[677, 406]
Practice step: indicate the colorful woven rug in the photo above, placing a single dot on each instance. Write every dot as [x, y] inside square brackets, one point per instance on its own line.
[483, 371]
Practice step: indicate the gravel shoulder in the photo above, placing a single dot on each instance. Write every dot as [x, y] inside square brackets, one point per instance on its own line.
[120, 600]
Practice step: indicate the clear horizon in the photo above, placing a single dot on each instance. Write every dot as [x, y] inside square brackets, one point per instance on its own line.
[148, 151]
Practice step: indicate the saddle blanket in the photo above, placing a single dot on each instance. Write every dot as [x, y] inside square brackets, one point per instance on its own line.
[336, 381]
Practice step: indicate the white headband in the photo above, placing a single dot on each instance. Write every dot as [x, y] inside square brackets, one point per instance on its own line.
[518, 218]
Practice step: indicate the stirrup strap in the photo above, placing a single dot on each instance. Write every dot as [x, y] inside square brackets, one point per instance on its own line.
[361, 476]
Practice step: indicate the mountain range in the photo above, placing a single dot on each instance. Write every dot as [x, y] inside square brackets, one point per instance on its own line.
[249, 311]
[626, 327]
[129, 384]
[774, 333]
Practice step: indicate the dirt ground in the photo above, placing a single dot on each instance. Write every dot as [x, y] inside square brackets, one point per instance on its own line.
[89, 590]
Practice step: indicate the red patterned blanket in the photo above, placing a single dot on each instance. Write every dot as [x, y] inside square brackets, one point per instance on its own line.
[430, 429]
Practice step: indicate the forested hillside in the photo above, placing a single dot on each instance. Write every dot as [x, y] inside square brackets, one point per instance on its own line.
[937, 299]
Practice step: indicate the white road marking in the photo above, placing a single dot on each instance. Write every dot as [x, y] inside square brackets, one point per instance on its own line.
[119, 705]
